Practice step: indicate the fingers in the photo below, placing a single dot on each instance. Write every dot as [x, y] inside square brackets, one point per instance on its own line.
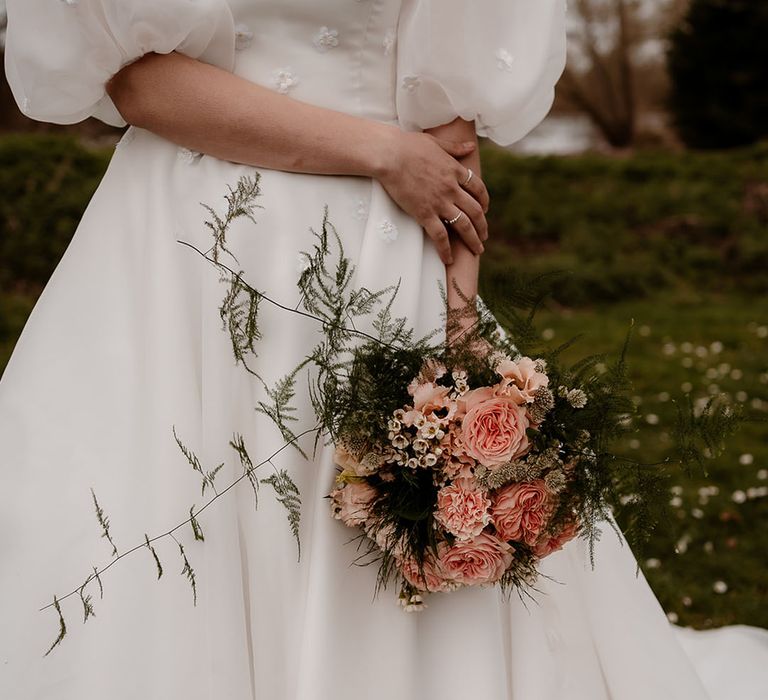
[437, 232]
[466, 229]
[476, 187]
[458, 149]
[473, 209]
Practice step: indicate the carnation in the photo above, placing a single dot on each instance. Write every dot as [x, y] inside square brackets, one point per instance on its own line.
[463, 509]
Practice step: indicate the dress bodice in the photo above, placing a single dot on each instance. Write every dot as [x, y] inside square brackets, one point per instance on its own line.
[420, 63]
[339, 54]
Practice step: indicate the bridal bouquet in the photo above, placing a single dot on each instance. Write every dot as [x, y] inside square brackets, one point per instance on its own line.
[473, 480]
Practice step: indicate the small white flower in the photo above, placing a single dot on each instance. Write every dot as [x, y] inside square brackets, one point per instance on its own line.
[388, 231]
[720, 587]
[652, 419]
[284, 80]
[410, 83]
[243, 36]
[762, 474]
[697, 513]
[504, 60]
[675, 501]
[644, 331]
[548, 334]
[652, 563]
[326, 39]
[577, 398]
[738, 496]
[687, 601]
[746, 459]
[672, 617]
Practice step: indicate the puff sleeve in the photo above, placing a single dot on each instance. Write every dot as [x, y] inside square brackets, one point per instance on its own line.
[59, 54]
[492, 61]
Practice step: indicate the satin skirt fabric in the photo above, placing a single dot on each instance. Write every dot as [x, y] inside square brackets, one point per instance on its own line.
[124, 347]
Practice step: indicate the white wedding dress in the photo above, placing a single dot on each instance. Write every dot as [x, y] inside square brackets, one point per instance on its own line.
[126, 343]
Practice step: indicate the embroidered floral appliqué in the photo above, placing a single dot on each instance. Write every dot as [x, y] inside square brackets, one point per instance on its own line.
[504, 59]
[243, 36]
[326, 39]
[411, 82]
[284, 80]
[389, 42]
[185, 155]
[361, 210]
[388, 231]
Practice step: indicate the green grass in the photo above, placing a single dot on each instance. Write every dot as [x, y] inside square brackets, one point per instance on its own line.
[701, 347]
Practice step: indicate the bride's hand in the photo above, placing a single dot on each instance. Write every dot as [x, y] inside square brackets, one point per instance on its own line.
[422, 174]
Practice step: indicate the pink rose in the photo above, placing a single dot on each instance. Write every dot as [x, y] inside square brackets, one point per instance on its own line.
[521, 511]
[352, 502]
[478, 561]
[462, 509]
[430, 577]
[547, 545]
[520, 380]
[493, 431]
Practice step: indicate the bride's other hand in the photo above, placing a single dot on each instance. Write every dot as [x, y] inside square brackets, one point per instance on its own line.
[423, 175]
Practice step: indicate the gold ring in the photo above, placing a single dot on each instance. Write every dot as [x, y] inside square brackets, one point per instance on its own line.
[454, 219]
[469, 177]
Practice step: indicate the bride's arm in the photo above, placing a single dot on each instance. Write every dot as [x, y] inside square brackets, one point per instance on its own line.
[465, 269]
[216, 112]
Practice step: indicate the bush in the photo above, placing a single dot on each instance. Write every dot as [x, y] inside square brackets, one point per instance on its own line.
[717, 63]
[46, 182]
[627, 227]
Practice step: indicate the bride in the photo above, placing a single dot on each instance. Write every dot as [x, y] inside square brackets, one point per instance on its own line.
[359, 113]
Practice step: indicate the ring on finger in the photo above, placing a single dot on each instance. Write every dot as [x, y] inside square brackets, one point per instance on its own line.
[469, 177]
[454, 219]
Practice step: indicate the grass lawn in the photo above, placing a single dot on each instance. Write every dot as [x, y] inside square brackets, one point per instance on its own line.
[708, 564]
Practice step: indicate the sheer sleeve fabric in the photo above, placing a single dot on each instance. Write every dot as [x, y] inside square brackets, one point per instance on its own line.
[492, 61]
[59, 54]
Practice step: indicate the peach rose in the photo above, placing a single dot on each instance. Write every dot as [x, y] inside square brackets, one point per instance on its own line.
[431, 577]
[481, 560]
[462, 509]
[352, 502]
[493, 431]
[520, 379]
[547, 545]
[432, 400]
[521, 511]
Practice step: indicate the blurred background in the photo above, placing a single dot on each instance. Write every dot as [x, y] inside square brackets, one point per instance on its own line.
[646, 189]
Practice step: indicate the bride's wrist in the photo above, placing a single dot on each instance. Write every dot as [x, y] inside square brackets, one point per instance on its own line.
[381, 153]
